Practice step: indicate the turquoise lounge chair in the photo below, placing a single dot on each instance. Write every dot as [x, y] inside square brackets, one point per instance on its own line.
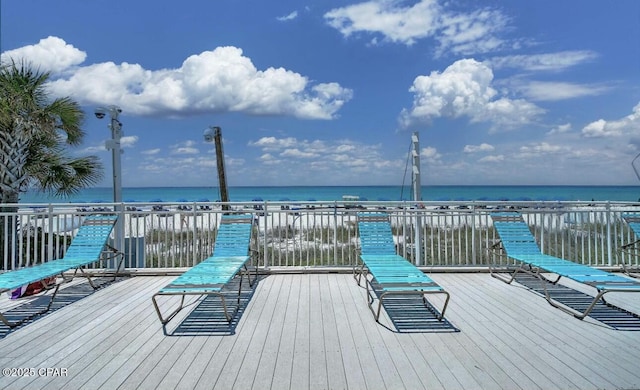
[632, 249]
[392, 273]
[209, 277]
[517, 242]
[86, 248]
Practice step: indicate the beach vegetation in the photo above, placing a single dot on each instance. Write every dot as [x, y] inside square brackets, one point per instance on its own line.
[35, 131]
[167, 248]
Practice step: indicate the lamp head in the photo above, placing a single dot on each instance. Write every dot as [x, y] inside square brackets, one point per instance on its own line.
[208, 134]
[100, 112]
[113, 111]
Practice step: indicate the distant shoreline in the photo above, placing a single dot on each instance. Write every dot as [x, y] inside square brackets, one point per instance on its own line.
[625, 193]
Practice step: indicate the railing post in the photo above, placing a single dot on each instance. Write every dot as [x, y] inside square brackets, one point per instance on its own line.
[609, 243]
[335, 234]
[473, 234]
[194, 244]
[418, 239]
[265, 258]
[50, 235]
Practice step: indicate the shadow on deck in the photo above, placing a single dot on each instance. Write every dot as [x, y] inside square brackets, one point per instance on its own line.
[607, 313]
[409, 314]
[208, 319]
[65, 297]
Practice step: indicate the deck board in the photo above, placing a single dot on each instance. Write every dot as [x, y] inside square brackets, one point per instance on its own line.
[521, 341]
[309, 331]
[317, 356]
[283, 361]
[357, 318]
[300, 369]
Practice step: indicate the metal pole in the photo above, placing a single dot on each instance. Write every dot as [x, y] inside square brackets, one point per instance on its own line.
[609, 219]
[214, 133]
[415, 153]
[222, 177]
[417, 197]
[114, 145]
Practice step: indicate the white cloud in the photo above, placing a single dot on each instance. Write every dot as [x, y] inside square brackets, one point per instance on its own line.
[430, 153]
[345, 148]
[464, 89]
[396, 23]
[599, 128]
[186, 147]
[128, 141]
[51, 54]
[545, 62]
[273, 143]
[94, 149]
[288, 17]
[221, 80]
[151, 152]
[297, 153]
[537, 149]
[492, 159]
[477, 31]
[268, 159]
[552, 91]
[303, 161]
[602, 128]
[565, 128]
[478, 148]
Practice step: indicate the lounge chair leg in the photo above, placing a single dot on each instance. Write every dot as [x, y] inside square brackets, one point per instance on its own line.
[224, 307]
[499, 276]
[376, 313]
[568, 310]
[357, 274]
[165, 320]
[9, 323]
[554, 282]
[93, 285]
[12, 325]
[379, 309]
[240, 286]
[444, 308]
[255, 277]
[592, 305]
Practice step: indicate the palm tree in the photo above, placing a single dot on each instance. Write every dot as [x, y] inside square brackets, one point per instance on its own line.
[34, 131]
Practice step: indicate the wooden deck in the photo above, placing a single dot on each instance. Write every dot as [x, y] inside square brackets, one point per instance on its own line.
[315, 331]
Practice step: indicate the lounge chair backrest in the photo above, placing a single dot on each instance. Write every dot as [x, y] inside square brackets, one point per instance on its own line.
[91, 238]
[376, 237]
[515, 234]
[234, 236]
[633, 220]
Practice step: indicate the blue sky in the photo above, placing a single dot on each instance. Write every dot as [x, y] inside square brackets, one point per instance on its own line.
[329, 92]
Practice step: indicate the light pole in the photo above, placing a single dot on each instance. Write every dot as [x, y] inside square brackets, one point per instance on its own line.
[214, 133]
[113, 144]
[417, 196]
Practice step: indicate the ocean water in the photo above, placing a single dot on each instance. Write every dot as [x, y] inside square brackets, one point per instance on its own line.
[334, 193]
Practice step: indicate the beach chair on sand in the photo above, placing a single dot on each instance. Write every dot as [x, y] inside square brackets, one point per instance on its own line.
[209, 277]
[86, 247]
[632, 248]
[517, 243]
[391, 273]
